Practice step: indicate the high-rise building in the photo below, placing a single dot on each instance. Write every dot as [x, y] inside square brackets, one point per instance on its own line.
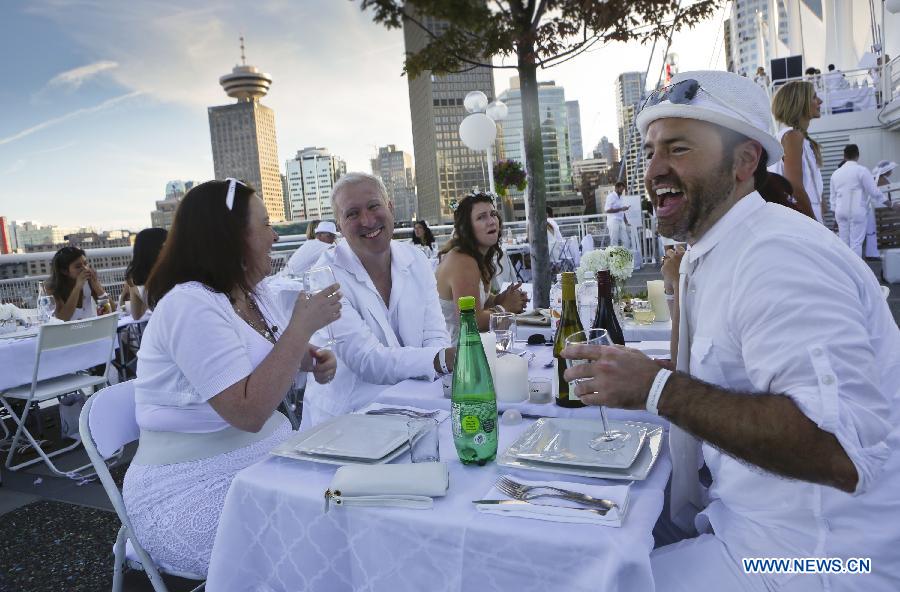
[629, 94]
[573, 117]
[560, 192]
[164, 213]
[606, 150]
[310, 177]
[243, 136]
[395, 168]
[747, 34]
[288, 213]
[5, 237]
[444, 167]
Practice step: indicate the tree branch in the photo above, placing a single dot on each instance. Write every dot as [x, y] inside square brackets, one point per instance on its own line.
[536, 19]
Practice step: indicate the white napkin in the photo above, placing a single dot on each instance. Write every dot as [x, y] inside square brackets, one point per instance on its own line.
[654, 349]
[559, 510]
[440, 417]
[404, 485]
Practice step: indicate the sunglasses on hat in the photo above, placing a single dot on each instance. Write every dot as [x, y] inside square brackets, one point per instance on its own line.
[684, 92]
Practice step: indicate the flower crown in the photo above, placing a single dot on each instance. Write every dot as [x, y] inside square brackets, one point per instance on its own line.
[454, 203]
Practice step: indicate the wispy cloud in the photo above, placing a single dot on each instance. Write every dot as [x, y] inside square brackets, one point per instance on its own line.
[74, 78]
[71, 115]
[15, 167]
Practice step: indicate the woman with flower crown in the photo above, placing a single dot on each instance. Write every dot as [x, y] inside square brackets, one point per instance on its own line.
[468, 263]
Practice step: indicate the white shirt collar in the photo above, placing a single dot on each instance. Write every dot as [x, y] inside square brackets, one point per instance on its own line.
[726, 224]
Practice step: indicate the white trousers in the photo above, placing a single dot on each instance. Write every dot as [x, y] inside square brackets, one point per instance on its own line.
[851, 220]
[619, 233]
[871, 238]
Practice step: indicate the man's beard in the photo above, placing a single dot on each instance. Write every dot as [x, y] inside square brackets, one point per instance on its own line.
[704, 196]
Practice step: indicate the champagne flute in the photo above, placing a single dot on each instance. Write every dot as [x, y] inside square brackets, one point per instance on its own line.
[314, 281]
[503, 326]
[608, 440]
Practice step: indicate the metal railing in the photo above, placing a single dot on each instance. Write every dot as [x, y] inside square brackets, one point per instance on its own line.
[862, 89]
[23, 291]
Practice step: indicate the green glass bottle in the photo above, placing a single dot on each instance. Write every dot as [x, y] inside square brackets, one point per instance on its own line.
[569, 323]
[473, 403]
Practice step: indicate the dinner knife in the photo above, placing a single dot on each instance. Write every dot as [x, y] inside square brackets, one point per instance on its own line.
[503, 502]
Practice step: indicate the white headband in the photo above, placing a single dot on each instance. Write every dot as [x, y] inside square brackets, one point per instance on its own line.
[229, 197]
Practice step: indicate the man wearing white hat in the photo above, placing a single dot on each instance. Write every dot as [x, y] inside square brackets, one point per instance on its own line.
[853, 196]
[310, 251]
[788, 363]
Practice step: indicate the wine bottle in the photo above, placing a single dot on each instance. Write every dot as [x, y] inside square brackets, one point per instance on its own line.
[473, 400]
[606, 312]
[569, 323]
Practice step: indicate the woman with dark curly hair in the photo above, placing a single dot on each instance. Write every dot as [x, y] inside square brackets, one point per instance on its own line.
[74, 285]
[423, 238]
[467, 264]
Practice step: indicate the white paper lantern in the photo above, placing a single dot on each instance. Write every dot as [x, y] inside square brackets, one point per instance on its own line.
[475, 101]
[497, 111]
[478, 131]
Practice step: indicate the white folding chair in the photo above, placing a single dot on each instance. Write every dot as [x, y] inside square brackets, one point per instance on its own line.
[886, 292]
[107, 424]
[51, 338]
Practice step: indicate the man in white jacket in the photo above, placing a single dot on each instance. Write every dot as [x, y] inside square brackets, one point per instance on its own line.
[309, 252]
[853, 193]
[391, 326]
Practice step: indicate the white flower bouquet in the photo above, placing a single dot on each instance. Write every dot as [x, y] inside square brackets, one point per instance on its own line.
[591, 263]
[10, 317]
[621, 262]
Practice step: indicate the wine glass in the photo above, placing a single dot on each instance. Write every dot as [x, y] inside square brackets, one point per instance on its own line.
[608, 440]
[642, 312]
[314, 281]
[503, 326]
[46, 306]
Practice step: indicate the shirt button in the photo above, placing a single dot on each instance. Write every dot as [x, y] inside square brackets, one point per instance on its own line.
[828, 379]
[817, 351]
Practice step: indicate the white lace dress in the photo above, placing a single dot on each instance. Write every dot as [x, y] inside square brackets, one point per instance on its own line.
[194, 347]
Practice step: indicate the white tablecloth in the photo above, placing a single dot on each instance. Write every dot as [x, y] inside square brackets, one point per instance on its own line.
[857, 99]
[17, 358]
[273, 535]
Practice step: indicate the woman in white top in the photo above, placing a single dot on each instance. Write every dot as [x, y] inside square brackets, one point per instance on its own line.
[147, 246]
[215, 362]
[467, 264]
[424, 238]
[794, 106]
[74, 285]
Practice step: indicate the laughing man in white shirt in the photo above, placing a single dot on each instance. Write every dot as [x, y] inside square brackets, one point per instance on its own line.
[788, 363]
[393, 328]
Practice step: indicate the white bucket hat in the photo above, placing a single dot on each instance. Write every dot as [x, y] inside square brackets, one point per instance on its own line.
[723, 98]
[883, 166]
[326, 226]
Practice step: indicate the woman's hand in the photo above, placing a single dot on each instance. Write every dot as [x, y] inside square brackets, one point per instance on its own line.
[512, 298]
[316, 311]
[324, 365]
[671, 264]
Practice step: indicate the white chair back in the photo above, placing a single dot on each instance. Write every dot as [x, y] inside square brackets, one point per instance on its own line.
[80, 332]
[886, 292]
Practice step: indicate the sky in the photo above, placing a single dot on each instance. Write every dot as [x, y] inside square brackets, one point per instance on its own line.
[105, 101]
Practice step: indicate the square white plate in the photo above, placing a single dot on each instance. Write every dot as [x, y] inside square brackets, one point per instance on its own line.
[363, 437]
[566, 441]
[287, 449]
[638, 471]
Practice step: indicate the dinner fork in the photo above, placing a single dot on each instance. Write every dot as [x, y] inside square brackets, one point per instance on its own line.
[523, 492]
[400, 411]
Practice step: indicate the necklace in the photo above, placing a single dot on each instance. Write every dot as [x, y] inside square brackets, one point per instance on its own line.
[251, 315]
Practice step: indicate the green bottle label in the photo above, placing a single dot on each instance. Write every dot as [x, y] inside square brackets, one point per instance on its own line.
[474, 426]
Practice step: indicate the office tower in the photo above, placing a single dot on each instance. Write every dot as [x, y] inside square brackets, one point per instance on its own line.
[310, 177]
[560, 193]
[288, 213]
[5, 237]
[164, 213]
[395, 167]
[444, 167]
[243, 136]
[629, 95]
[748, 30]
[573, 117]
[607, 150]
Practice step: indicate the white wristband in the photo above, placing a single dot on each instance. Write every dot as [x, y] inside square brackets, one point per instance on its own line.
[442, 361]
[656, 390]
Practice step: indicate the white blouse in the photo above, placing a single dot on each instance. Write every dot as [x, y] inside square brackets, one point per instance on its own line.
[87, 309]
[194, 347]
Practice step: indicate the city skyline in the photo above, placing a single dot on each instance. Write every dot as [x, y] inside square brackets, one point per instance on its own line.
[114, 103]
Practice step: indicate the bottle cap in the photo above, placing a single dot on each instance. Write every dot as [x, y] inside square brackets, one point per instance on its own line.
[466, 303]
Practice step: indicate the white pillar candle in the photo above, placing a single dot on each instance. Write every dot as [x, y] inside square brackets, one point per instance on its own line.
[489, 343]
[511, 379]
[656, 294]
